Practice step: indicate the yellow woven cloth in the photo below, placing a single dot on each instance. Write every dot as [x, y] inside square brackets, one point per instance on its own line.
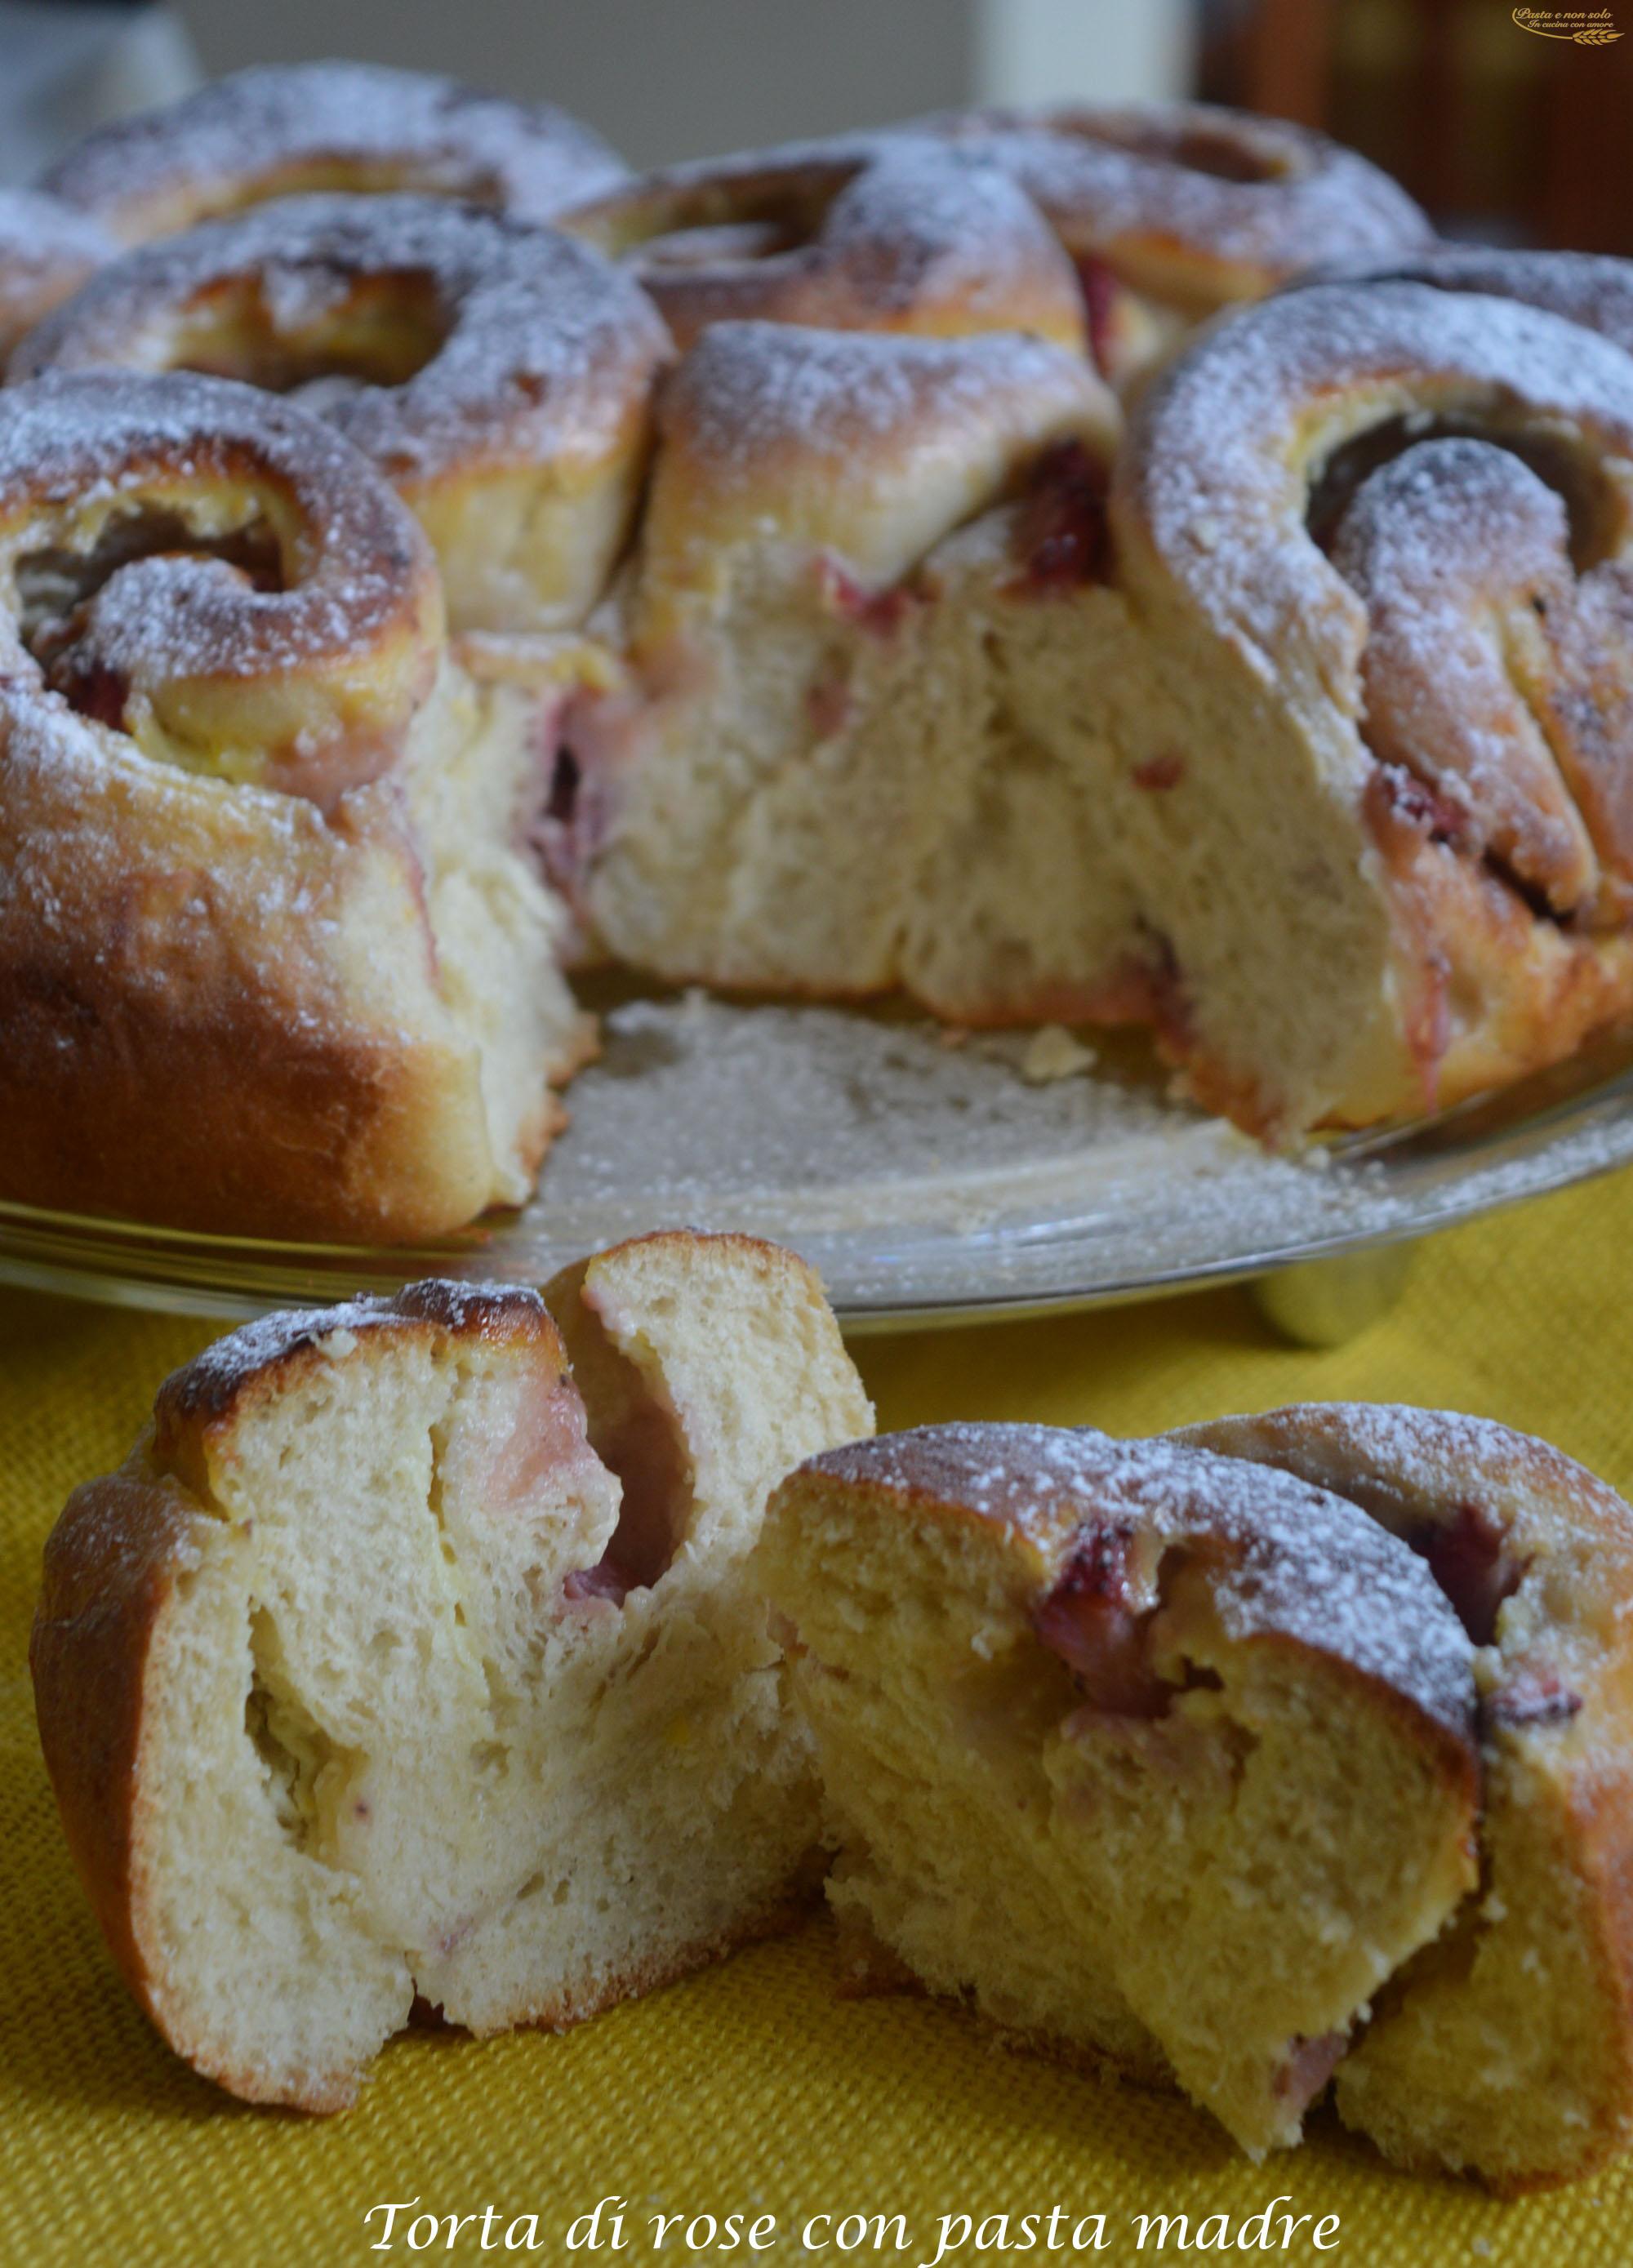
[750, 2090]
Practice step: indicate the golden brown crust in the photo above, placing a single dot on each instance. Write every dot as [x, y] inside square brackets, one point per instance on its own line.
[1168, 213]
[279, 130]
[858, 234]
[219, 976]
[768, 1258]
[114, 1562]
[488, 368]
[1147, 1570]
[175, 1527]
[316, 647]
[110, 1563]
[536, 346]
[1493, 925]
[1292, 487]
[1538, 1555]
[218, 1388]
[867, 448]
[1205, 205]
[1291, 1570]
[194, 1028]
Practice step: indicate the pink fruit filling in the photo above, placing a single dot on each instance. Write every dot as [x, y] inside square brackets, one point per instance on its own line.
[1062, 539]
[1308, 2066]
[1090, 1620]
[880, 613]
[1533, 1697]
[1469, 1559]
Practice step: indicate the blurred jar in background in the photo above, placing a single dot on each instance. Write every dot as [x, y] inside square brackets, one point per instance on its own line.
[67, 65]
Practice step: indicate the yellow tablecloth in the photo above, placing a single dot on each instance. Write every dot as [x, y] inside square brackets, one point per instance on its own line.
[750, 2090]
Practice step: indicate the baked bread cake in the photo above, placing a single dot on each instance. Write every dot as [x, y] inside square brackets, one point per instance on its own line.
[871, 233]
[1593, 289]
[497, 374]
[1172, 211]
[418, 1650]
[1039, 1667]
[752, 803]
[1320, 667]
[47, 250]
[281, 129]
[1282, 706]
[1506, 2049]
[1165, 214]
[1165, 1763]
[272, 956]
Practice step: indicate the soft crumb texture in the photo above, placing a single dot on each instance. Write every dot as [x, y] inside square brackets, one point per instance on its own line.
[404, 1659]
[1148, 1760]
[1507, 2049]
[1281, 723]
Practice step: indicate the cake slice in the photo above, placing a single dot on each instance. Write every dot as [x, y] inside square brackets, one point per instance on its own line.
[417, 1651]
[1155, 1758]
[1506, 2048]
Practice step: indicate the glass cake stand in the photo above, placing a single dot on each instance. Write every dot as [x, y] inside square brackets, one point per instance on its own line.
[929, 1180]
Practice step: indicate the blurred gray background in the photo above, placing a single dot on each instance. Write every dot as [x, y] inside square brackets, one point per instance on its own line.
[661, 79]
[673, 79]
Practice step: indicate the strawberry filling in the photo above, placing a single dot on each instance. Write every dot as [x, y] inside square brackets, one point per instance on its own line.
[546, 1434]
[1062, 538]
[1090, 1621]
[1418, 805]
[1101, 292]
[1308, 2066]
[1533, 1697]
[1158, 774]
[1469, 1559]
[880, 613]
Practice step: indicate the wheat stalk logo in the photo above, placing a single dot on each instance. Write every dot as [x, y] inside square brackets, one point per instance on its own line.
[1552, 24]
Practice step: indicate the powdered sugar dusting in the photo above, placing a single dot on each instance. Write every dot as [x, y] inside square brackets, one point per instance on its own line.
[211, 1379]
[1227, 445]
[1297, 1561]
[750, 390]
[360, 567]
[918, 208]
[877, 227]
[1590, 288]
[121, 873]
[400, 129]
[210, 1382]
[1442, 543]
[545, 349]
[1407, 1464]
[1252, 190]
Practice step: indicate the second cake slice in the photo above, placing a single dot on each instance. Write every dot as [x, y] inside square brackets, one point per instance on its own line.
[416, 1651]
[1154, 1756]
